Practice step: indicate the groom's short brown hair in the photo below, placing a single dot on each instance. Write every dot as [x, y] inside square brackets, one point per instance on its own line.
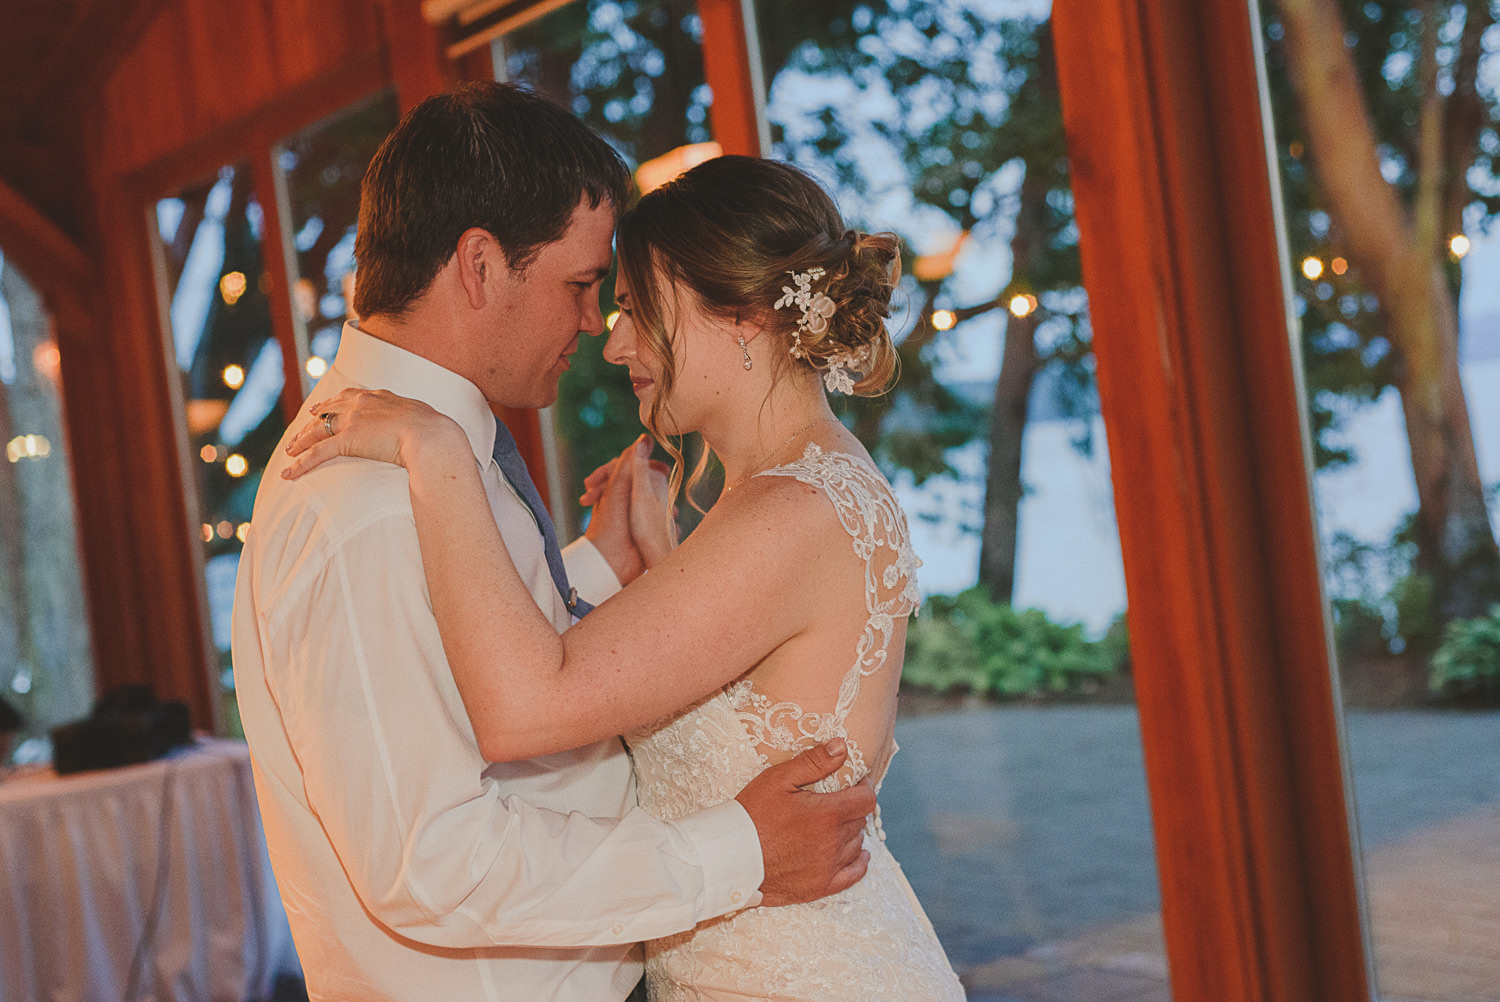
[485, 154]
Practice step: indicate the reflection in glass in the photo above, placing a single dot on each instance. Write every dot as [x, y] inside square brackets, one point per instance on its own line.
[1397, 291]
[46, 669]
[1025, 830]
[320, 169]
[229, 366]
[633, 72]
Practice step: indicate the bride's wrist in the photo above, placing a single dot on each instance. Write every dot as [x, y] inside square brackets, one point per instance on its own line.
[439, 447]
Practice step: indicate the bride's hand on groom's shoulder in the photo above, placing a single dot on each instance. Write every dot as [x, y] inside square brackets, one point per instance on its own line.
[378, 425]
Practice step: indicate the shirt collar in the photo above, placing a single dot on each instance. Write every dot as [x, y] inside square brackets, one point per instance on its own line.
[368, 362]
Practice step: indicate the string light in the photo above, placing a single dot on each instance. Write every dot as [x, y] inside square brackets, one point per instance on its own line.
[1459, 245]
[316, 367]
[243, 532]
[1022, 305]
[944, 319]
[232, 286]
[27, 447]
[236, 465]
[234, 376]
[609, 321]
[208, 454]
[1339, 265]
[1312, 268]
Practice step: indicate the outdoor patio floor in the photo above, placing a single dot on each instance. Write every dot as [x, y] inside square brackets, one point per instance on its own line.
[1025, 832]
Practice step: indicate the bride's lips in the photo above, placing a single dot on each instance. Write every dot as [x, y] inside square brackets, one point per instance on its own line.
[639, 383]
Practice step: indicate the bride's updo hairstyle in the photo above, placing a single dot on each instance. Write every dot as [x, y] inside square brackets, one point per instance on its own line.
[729, 234]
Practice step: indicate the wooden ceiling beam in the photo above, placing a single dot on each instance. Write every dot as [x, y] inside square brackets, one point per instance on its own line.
[49, 258]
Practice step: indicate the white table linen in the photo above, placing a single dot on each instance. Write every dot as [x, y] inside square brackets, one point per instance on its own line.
[81, 860]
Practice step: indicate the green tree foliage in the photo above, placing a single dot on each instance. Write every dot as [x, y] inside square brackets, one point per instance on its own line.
[1386, 122]
[1346, 348]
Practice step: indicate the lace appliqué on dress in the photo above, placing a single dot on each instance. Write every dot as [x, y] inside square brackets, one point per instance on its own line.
[870, 942]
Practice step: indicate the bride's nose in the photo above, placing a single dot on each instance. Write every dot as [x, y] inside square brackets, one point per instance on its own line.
[620, 348]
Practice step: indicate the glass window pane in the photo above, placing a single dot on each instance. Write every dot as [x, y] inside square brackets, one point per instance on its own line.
[319, 170]
[633, 72]
[46, 666]
[1018, 804]
[1400, 332]
[229, 367]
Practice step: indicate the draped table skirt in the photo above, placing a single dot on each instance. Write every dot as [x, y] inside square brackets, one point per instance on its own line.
[147, 881]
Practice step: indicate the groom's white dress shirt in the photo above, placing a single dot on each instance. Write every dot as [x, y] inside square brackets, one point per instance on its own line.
[410, 868]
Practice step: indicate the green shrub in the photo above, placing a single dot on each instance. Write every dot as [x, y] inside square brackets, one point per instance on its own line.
[1467, 664]
[1358, 628]
[968, 642]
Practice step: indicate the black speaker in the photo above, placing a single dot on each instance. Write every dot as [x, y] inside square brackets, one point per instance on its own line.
[128, 725]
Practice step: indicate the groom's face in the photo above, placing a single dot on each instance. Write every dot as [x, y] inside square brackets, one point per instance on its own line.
[545, 308]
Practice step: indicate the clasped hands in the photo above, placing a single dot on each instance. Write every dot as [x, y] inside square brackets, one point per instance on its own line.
[633, 524]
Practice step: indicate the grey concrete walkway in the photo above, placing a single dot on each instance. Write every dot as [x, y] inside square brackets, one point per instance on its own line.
[1026, 833]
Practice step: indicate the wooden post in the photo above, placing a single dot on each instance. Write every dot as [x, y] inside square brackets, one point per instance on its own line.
[728, 65]
[1198, 381]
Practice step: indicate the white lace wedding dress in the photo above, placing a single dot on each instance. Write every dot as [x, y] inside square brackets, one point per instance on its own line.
[871, 942]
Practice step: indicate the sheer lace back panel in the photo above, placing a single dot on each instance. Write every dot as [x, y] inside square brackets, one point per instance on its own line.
[753, 721]
[784, 723]
[869, 942]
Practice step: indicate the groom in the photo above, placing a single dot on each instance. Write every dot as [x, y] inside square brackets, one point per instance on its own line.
[411, 868]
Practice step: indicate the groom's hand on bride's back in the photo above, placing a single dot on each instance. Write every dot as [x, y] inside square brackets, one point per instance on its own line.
[812, 843]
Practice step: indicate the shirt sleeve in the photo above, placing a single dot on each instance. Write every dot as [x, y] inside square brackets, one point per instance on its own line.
[588, 571]
[437, 849]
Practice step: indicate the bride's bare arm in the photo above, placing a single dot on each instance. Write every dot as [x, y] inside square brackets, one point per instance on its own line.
[701, 618]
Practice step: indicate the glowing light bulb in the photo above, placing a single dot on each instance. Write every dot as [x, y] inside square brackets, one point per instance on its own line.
[236, 465]
[28, 447]
[609, 321]
[232, 286]
[243, 532]
[225, 529]
[208, 454]
[944, 319]
[1312, 268]
[234, 376]
[208, 533]
[1022, 305]
[1339, 265]
[316, 367]
[1459, 245]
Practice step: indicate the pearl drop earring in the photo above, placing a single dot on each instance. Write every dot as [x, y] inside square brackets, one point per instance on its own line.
[744, 351]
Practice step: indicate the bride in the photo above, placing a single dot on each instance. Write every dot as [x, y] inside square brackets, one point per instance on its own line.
[778, 624]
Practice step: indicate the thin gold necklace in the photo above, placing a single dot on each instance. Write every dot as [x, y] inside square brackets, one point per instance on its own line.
[759, 466]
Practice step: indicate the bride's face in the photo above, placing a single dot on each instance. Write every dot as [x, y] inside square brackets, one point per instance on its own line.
[692, 336]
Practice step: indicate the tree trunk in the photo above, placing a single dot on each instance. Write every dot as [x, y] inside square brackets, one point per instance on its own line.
[1018, 366]
[1401, 255]
[1003, 489]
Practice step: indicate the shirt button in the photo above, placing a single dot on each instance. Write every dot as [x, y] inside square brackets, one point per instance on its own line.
[735, 897]
[618, 930]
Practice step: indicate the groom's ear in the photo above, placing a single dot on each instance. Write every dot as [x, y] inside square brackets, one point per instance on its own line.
[480, 263]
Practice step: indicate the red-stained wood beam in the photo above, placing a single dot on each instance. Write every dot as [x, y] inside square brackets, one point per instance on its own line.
[414, 47]
[1199, 387]
[56, 266]
[731, 75]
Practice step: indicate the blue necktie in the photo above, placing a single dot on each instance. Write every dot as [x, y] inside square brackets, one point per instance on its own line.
[513, 468]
